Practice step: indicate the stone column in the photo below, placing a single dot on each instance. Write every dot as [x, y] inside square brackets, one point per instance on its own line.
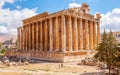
[75, 35]
[37, 36]
[69, 33]
[30, 37]
[50, 35]
[26, 37]
[94, 36]
[86, 35]
[46, 35]
[21, 38]
[91, 35]
[41, 36]
[80, 35]
[63, 34]
[56, 34]
[33, 46]
[34, 36]
[18, 31]
[98, 32]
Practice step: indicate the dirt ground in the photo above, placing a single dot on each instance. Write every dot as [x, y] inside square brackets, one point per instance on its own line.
[49, 68]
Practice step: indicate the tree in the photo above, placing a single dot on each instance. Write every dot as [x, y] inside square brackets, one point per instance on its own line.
[107, 50]
[0, 45]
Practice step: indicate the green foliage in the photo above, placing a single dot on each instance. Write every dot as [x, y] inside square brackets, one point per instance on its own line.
[107, 50]
[0, 45]
[3, 50]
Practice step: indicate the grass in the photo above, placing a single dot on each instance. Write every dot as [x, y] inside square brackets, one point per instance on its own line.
[31, 70]
[2, 54]
[3, 66]
[45, 69]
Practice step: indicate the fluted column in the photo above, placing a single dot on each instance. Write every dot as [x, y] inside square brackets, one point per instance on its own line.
[33, 47]
[69, 33]
[50, 35]
[91, 35]
[41, 36]
[22, 38]
[80, 35]
[37, 36]
[18, 31]
[63, 34]
[56, 34]
[94, 36]
[19, 38]
[34, 36]
[75, 35]
[98, 32]
[30, 37]
[86, 35]
[45, 36]
[27, 37]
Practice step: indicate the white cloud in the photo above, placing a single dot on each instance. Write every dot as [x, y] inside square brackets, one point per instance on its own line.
[111, 20]
[3, 29]
[10, 20]
[2, 2]
[18, 7]
[74, 5]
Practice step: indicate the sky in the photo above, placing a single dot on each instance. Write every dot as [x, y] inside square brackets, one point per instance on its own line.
[12, 12]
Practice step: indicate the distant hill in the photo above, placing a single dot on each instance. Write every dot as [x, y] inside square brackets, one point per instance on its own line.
[3, 34]
[4, 37]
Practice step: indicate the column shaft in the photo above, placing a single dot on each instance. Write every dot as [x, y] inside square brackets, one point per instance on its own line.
[18, 31]
[75, 35]
[41, 36]
[98, 32]
[91, 35]
[86, 35]
[63, 34]
[37, 36]
[24, 38]
[94, 36]
[80, 35]
[50, 35]
[45, 35]
[27, 37]
[69, 33]
[56, 34]
[30, 37]
[33, 47]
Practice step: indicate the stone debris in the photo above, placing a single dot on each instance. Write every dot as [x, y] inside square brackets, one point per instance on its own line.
[13, 61]
[88, 62]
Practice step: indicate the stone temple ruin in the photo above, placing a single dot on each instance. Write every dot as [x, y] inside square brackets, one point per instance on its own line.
[67, 35]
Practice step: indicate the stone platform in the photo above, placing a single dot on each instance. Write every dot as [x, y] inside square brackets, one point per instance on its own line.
[52, 56]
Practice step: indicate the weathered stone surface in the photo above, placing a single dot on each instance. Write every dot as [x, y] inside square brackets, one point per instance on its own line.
[61, 36]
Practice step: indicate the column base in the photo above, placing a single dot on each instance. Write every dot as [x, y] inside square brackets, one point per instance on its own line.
[53, 56]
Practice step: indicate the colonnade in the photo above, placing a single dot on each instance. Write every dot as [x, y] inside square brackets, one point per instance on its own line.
[59, 33]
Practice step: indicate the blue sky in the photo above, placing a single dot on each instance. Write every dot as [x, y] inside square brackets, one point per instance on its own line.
[13, 11]
[56, 5]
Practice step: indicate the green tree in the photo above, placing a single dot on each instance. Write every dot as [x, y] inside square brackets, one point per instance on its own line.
[4, 50]
[107, 50]
[0, 45]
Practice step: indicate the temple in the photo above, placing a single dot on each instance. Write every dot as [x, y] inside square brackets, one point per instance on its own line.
[67, 35]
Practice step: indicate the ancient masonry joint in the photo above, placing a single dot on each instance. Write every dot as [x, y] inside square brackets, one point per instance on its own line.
[67, 35]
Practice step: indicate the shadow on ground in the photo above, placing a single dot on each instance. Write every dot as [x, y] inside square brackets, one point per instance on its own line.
[97, 73]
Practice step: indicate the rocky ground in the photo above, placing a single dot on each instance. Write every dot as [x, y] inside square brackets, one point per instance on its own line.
[8, 67]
